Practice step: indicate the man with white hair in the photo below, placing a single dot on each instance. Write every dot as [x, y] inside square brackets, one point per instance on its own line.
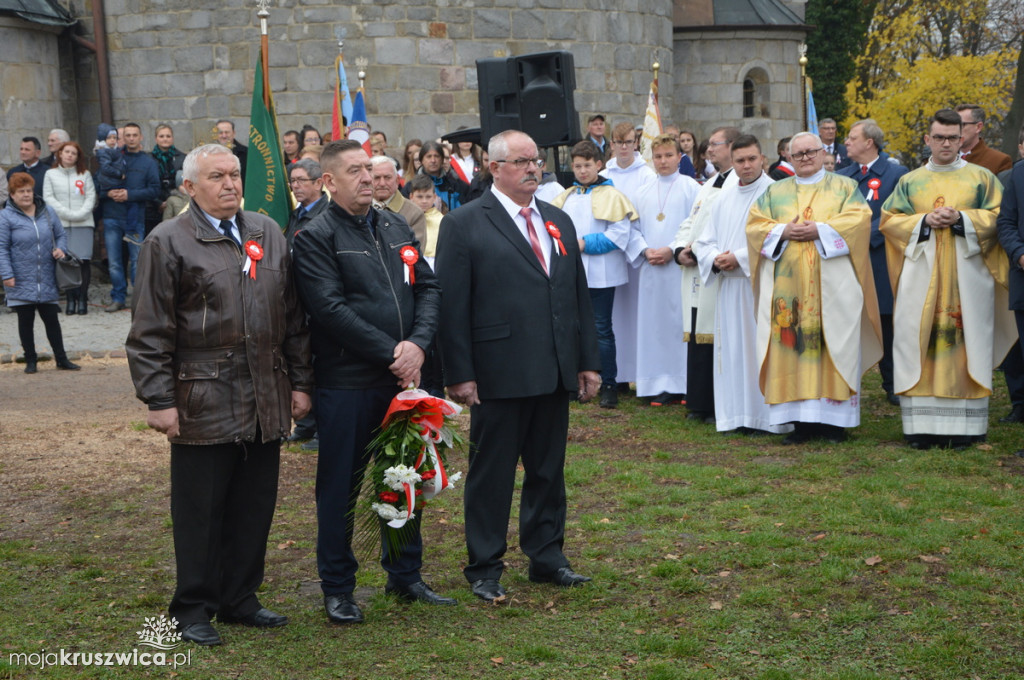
[817, 313]
[220, 353]
[53, 142]
[386, 196]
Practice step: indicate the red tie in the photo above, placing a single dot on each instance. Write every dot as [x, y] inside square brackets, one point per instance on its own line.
[534, 239]
[863, 169]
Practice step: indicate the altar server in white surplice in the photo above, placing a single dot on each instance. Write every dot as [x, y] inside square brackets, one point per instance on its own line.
[721, 253]
[663, 203]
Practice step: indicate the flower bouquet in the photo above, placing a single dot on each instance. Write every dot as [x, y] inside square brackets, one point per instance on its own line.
[408, 464]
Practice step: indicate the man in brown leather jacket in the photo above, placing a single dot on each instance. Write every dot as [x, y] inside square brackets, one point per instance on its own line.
[219, 351]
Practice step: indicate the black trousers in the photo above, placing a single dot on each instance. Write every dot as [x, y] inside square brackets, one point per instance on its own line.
[222, 504]
[885, 364]
[26, 331]
[347, 420]
[502, 432]
[700, 374]
[1013, 368]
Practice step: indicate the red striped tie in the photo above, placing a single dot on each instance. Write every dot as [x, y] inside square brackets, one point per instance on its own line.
[534, 239]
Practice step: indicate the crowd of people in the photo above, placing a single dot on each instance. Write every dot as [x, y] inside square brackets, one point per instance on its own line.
[756, 294]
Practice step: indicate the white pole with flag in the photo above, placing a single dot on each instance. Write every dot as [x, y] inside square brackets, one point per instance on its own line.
[652, 118]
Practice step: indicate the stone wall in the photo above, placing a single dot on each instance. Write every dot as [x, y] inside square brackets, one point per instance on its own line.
[710, 69]
[179, 61]
[30, 94]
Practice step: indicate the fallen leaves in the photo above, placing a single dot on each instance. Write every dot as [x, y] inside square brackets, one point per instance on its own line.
[873, 560]
[930, 559]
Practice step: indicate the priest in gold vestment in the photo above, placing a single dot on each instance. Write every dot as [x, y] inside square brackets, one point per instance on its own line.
[818, 327]
[951, 320]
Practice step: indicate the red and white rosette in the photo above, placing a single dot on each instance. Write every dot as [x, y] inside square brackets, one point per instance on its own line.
[410, 256]
[873, 184]
[253, 254]
[80, 186]
[555, 234]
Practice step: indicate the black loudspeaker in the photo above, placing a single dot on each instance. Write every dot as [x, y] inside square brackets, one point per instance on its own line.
[532, 93]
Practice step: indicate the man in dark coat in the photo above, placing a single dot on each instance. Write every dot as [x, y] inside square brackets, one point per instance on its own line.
[827, 131]
[1011, 236]
[30, 163]
[872, 169]
[518, 342]
[219, 352]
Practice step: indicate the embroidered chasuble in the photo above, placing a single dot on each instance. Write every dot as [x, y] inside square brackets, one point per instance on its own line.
[951, 318]
[817, 312]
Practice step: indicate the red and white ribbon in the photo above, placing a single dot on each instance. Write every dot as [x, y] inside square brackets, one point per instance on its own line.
[253, 254]
[555, 234]
[80, 185]
[410, 256]
[873, 184]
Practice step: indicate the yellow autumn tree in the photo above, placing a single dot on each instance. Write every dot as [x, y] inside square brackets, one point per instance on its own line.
[923, 55]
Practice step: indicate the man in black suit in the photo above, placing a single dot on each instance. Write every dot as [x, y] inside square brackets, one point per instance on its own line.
[518, 341]
[876, 175]
[827, 131]
[1011, 236]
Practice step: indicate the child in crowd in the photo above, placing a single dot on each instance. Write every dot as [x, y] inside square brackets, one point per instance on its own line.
[422, 194]
[602, 215]
[177, 202]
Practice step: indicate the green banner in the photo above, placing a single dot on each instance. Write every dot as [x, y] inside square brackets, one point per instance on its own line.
[266, 179]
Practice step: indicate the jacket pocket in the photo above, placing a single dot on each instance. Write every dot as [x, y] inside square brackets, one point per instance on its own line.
[195, 386]
[495, 332]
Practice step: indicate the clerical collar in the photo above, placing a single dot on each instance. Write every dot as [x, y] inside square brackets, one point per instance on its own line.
[813, 179]
[587, 188]
[955, 165]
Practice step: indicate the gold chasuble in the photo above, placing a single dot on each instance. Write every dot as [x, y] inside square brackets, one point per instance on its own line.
[817, 313]
[951, 318]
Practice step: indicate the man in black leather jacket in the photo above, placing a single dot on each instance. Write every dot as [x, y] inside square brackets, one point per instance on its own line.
[370, 329]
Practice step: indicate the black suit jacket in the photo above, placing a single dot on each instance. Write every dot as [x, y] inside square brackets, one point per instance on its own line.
[504, 323]
[1011, 232]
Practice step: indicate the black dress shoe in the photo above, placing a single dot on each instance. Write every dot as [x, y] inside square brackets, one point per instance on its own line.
[30, 366]
[417, 592]
[261, 618]
[66, 365]
[201, 633]
[488, 589]
[892, 398]
[1014, 416]
[342, 609]
[564, 577]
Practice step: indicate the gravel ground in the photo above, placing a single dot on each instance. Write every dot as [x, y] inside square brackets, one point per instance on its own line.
[97, 333]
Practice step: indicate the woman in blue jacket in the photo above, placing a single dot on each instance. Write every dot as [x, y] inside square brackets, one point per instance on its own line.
[31, 240]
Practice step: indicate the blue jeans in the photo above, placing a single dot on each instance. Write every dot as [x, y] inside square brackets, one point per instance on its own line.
[115, 232]
[602, 299]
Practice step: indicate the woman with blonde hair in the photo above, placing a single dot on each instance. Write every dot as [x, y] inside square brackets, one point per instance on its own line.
[411, 159]
[69, 190]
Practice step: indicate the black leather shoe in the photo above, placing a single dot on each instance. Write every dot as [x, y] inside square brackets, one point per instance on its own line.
[66, 365]
[1014, 416]
[342, 609]
[261, 618]
[417, 592]
[609, 396]
[564, 577]
[201, 633]
[892, 398]
[488, 589]
[30, 366]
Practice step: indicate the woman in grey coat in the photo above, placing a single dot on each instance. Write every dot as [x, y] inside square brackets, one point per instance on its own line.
[31, 240]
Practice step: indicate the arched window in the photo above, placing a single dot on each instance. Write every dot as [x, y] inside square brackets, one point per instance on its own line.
[756, 91]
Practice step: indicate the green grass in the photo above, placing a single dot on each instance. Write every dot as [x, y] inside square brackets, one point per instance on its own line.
[713, 556]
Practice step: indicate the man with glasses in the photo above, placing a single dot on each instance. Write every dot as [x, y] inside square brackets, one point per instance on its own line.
[827, 129]
[973, 148]
[518, 343]
[817, 313]
[951, 318]
[629, 173]
[306, 181]
[699, 300]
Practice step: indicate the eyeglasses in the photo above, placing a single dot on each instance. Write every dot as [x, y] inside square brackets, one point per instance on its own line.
[521, 163]
[800, 155]
[944, 139]
[624, 142]
[300, 181]
[717, 143]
